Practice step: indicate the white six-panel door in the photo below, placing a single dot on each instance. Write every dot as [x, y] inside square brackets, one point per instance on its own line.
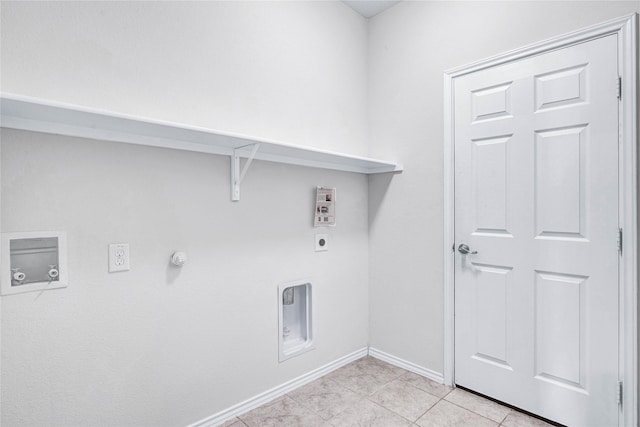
[536, 195]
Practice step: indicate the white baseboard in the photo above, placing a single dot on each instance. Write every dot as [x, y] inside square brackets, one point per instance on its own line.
[386, 357]
[262, 398]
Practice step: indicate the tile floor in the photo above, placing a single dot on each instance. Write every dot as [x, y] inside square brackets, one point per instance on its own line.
[370, 392]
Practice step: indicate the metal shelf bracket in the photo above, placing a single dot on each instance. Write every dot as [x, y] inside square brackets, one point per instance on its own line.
[238, 175]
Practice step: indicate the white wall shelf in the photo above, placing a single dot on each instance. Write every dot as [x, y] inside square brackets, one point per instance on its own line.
[26, 113]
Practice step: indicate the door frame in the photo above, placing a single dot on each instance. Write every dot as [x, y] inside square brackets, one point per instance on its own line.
[626, 28]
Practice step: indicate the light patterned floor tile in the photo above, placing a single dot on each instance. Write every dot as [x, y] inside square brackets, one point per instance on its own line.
[445, 414]
[234, 423]
[366, 375]
[285, 412]
[518, 419]
[404, 399]
[376, 365]
[367, 414]
[372, 393]
[325, 397]
[426, 384]
[479, 405]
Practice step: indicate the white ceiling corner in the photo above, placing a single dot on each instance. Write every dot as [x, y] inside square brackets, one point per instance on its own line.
[369, 8]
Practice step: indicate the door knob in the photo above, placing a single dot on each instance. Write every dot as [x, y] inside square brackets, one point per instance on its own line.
[464, 250]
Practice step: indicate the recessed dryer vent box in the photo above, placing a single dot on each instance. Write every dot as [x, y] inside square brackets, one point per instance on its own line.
[33, 261]
[295, 319]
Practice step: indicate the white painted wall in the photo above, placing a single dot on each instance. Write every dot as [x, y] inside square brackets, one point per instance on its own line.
[290, 71]
[157, 345]
[410, 47]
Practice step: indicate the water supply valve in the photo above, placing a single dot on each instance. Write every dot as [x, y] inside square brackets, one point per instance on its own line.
[17, 277]
[53, 272]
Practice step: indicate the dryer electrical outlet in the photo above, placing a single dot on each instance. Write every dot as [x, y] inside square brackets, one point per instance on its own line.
[322, 242]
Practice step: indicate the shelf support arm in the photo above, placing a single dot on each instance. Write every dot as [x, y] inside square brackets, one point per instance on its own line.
[238, 175]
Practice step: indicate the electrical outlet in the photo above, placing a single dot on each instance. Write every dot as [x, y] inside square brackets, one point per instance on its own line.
[322, 242]
[118, 257]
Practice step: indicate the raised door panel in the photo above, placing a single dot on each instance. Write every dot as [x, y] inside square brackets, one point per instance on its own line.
[560, 158]
[490, 166]
[490, 103]
[491, 301]
[561, 88]
[560, 329]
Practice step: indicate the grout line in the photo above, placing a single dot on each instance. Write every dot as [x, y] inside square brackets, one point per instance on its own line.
[440, 399]
[474, 412]
[505, 417]
[387, 409]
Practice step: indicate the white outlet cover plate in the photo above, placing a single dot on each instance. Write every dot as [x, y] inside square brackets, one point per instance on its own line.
[118, 257]
[322, 242]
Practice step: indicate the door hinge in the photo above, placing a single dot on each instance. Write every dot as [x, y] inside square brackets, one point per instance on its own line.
[620, 240]
[619, 87]
[619, 392]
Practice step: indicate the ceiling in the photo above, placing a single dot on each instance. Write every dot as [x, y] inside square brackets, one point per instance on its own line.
[369, 8]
